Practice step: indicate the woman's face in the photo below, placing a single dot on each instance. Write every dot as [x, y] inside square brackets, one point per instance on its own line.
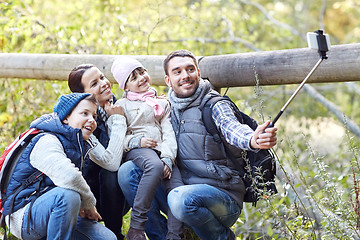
[96, 83]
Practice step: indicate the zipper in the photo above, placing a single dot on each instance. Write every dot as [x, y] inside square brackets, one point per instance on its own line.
[81, 151]
[92, 146]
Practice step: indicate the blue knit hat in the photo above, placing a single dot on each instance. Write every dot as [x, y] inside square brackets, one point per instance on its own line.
[66, 103]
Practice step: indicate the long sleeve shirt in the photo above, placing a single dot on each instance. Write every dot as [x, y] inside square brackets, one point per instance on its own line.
[48, 156]
[235, 133]
[110, 157]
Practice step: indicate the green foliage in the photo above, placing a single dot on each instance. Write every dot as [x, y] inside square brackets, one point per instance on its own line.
[319, 164]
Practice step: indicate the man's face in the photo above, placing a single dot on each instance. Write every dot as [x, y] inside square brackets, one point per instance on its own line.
[183, 76]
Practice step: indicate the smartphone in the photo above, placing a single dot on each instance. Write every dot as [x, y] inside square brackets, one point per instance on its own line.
[318, 41]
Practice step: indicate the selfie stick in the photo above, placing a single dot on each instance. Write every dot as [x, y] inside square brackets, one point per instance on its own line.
[322, 49]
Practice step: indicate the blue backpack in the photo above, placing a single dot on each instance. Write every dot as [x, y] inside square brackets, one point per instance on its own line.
[258, 169]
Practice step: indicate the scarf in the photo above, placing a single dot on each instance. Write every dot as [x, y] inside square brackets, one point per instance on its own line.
[102, 114]
[180, 104]
[149, 98]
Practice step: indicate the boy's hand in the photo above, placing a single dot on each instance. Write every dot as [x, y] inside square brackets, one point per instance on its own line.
[148, 143]
[167, 171]
[91, 213]
[264, 138]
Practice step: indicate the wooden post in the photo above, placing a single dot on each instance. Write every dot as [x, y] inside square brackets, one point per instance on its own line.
[233, 70]
[282, 67]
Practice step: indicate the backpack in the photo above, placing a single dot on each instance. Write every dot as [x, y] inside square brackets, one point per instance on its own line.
[258, 169]
[8, 162]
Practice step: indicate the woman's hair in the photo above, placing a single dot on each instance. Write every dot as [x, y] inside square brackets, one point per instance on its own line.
[75, 76]
[91, 98]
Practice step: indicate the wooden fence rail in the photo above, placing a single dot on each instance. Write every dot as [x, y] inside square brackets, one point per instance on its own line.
[232, 70]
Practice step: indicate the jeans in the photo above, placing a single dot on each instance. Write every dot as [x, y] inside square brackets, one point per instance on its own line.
[129, 176]
[207, 210]
[111, 203]
[153, 171]
[55, 215]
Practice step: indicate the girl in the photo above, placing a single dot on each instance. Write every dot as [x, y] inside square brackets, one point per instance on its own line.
[150, 142]
[50, 208]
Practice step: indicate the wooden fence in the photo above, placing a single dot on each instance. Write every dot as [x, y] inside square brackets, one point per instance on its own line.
[232, 70]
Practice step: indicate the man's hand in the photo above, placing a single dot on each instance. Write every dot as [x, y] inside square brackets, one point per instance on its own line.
[148, 143]
[113, 109]
[264, 138]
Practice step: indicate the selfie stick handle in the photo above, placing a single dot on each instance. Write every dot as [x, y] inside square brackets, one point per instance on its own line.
[295, 93]
[322, 49]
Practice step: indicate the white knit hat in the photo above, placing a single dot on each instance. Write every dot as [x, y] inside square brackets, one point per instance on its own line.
[122, 67]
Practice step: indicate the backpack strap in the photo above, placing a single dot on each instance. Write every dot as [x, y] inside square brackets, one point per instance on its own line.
[36, 177]
[253, 161]
[33, 178]
[212, 128]
[207, 116]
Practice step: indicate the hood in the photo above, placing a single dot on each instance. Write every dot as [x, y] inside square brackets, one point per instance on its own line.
[52, 123]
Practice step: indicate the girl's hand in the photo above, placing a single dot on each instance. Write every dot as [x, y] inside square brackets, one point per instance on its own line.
[113, 109]
[148, 143]
[167, 172]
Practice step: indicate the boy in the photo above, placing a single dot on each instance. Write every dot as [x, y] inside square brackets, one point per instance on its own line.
[50, 207]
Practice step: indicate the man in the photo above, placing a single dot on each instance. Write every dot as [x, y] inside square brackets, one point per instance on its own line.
[212, 197]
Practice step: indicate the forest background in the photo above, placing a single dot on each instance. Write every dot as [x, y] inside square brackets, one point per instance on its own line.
[318, 156]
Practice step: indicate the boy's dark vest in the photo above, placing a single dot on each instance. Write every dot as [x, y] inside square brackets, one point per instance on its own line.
[24, 169]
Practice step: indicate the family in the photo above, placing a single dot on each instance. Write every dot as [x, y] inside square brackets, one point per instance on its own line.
[100, 156]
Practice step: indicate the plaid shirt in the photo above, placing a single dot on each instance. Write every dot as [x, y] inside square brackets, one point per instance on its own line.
[235, 133]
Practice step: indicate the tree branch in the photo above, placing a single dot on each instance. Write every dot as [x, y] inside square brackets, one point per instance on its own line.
[334, 109]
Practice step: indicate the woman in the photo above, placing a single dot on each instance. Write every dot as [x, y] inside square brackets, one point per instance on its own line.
[111, 202]
[104, 184]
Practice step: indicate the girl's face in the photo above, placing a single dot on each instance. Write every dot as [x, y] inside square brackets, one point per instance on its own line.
[83, 117]
[96, 83]
[139, 81]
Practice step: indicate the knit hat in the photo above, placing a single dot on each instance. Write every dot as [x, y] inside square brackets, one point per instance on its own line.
[122, 68]
[66, 103]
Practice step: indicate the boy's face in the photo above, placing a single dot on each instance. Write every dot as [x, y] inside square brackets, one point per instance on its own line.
[139, 81]
[96, 83]
[83, 117]
[183, 76]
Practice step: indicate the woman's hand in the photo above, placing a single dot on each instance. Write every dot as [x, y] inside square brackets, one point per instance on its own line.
[113, 109]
